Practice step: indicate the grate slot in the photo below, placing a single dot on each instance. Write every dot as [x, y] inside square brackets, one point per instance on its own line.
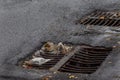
[87, 60]
[110, 23]
[106, 22]
[118, 23]
[79, 67]
[76, 71]
[93, 21]
[96, 22]
[101, 57]
[115, 22]
[87, 21]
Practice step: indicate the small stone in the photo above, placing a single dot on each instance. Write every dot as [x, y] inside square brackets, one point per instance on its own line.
[71, 77]
[50, 76]
[108, 39]
[109, 62]
[69, 74]
[102, 17]
[33, 56]
[24, 66]
[54, 72]
[76, 77]
[88, 26]
[118, 42]
[114, 46]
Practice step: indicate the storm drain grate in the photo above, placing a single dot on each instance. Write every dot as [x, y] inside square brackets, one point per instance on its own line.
[101, 18]
[86, 60]
[83, 59]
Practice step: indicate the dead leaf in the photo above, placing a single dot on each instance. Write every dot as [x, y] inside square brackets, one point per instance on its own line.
[49, 46]
[45, 78]
[102, 17]
[27, 67]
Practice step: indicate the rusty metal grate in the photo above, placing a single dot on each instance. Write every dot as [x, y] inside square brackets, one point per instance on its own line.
[83, 59]
[101, 18]
[87, 60]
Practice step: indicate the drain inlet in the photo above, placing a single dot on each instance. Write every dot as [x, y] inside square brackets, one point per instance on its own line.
[101, 18]
[84, 59]
[87, 60]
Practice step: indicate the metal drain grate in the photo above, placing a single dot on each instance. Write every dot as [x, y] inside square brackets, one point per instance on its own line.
[49, 64]
[86, 60]
[83, 59]
[101, 18]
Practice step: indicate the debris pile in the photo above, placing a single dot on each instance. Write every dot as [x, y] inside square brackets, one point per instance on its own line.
[48, 48]
[59, 48]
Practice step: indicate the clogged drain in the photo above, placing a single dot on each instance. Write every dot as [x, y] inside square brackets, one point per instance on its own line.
[67, 58]
[47, 56]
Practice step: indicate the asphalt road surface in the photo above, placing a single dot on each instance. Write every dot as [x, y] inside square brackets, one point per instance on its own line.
[24, 24]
